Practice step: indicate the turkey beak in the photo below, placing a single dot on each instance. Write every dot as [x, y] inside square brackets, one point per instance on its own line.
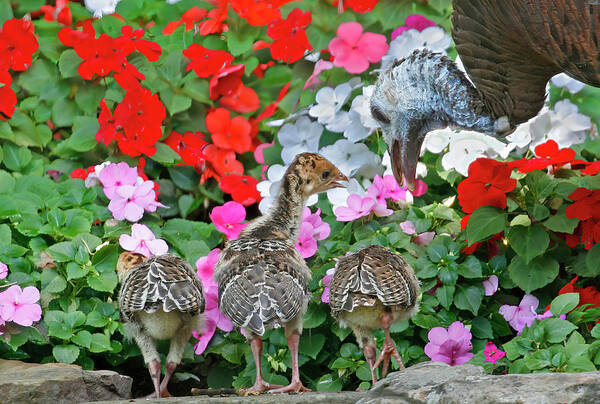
[405, 155]
[336, 182]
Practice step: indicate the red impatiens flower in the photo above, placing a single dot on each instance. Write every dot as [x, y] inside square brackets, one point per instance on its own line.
[131, 41]
[488, 182]
[289, 36]
[272, 107]
[242, 188]
[592, 168]
[359, 6]
[258, 12]
[548, 155]
[190, 148]
[8, 98]
[227, 133]
[189, 19]
[17, 44]
[226, 82]
[585, 208]
[206, 62]
[244, 100]
[215, 24]
[259, 71]
[135, 123]
[60, 12]
[221, 162]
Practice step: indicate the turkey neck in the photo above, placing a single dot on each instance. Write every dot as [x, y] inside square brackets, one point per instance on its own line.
[283, 219]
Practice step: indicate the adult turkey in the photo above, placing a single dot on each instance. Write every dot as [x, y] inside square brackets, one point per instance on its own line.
[510, 49]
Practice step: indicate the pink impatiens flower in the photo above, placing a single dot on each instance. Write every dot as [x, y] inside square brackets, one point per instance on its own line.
[115, 175]
[213, 317]
[228, 219]
[320, 66]
[143, 241]
[490, 285]
[326, 282]
[354, 50]
[408, 227]
[492, 353]
[312, 229]
[424, 238]
[3, 270]
[413, 21]
[452, 346]
[20, 305]
[522, 315]
[130, 201]
[360, 206]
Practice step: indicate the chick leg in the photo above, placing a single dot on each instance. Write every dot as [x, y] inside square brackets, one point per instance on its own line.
[370, 353]
[148, 347]
[260, 385]
[292, 335]
[174, 358]
[389, 348]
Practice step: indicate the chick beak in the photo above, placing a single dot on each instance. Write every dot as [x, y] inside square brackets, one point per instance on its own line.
[336, 182]
[404, 156]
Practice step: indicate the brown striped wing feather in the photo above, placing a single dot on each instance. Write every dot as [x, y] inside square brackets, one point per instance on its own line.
[374, 274]
[164, 282]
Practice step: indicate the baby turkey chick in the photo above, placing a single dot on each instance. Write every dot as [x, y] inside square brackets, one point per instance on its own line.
[263, 280]
[161, 298]
[371, 289]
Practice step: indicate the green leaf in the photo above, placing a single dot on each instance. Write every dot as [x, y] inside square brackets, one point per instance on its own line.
[197, 89]
[485, 222]
[538, 273]
[64, 112]
[15, 157]
[83, 137]
[591, 261]
[82, 338]
[75, 271]
[468, 298]
[311, 344]
[68, 63]
[103, 282]
[471, 268]
[445, 295]
[558, 329]
[175, 102]
[314, 317]
[65, 353]
[105, 260]
[61, 252]
[436, 252]
[52, 281]
[100, 343]
[5, 11]
[239, 43]
[539, 359]
[96, 319]
[165, 155]
[562, 304]
[74, 319]
[185, 177]
[559, 222]
[59, 330]
[596, 331]
[580, 364]
[521, 220]
[7, 182]
[187, 204]
[481, 328]
[528, 242]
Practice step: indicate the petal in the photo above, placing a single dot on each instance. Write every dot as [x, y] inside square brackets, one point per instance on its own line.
[350, 32]
[133, 212]
[158, 246]
[437, 335]
[141, 232]
[529, 301]
[30, 295]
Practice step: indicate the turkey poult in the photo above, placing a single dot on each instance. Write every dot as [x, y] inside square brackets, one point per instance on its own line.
[372, 289]
[263, 280]
[510, 49]
[161, 298]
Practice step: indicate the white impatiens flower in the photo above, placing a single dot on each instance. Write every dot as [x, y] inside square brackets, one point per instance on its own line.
[329, 103]
[434, 38]
[362, 105]
[101, 7]
[467, 146]
[349, 157]
[299, 137]
[568, 125]
[564, 81]
[355, 130]
[437, 140]
[268, 189]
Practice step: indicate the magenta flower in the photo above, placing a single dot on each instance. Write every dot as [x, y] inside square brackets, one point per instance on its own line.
[115, 175]
[213, 317]
[490, 285]
[359, 207]
[424, 238]
[354, 50]
[3, 270]
[420, 188]
[306, 244]
[143, 241]
[326, 282]
[413, 21]
[452, 346]
[130, 201]
[20, 306]
[522, 315]
[321, 228]
[228, 219]
[492, 353]
[320, 66]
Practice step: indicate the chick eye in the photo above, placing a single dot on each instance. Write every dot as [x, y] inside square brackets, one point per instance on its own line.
[325, 174]
[380, 116]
